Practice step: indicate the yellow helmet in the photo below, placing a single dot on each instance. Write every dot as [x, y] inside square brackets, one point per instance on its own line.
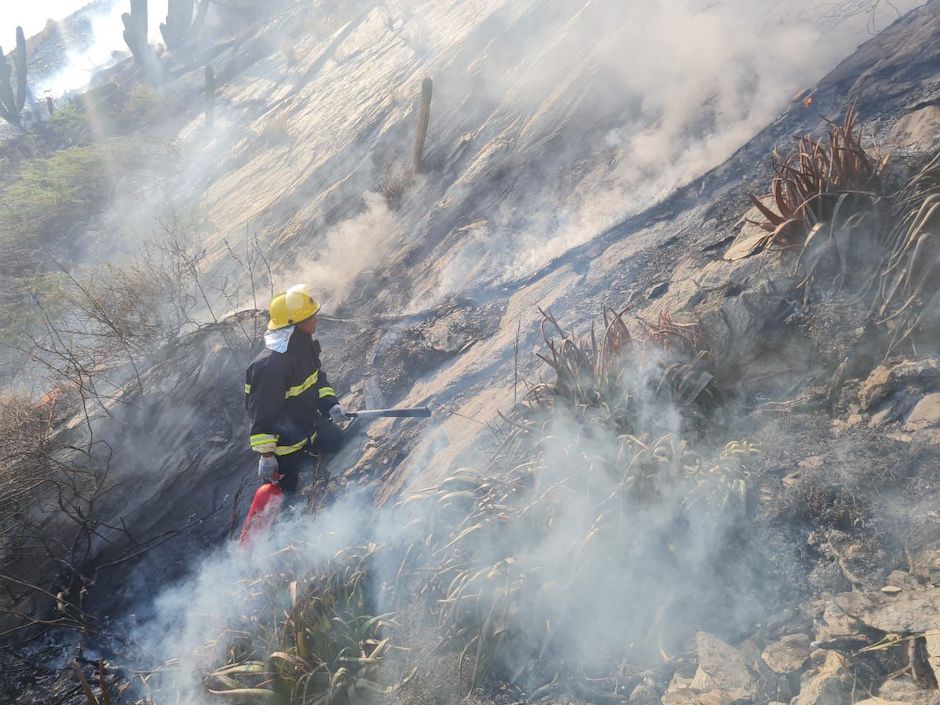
[292, 306]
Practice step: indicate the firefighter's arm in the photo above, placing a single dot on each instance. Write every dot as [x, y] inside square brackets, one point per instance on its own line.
[327, 396]
[265, 400]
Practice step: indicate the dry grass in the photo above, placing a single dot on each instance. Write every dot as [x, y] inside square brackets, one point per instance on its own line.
[276, 131]
[478, 562]
[468, 562]
[395, 181]
[28, 430]
[289, 52]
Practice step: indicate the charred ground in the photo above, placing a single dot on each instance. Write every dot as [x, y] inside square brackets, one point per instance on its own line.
[768, 441]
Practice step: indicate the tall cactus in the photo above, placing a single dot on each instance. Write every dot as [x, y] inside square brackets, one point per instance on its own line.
[12, 103]
[135, 35]
[135, 29]
[19, 60]
[180, 26]
[423, 117]
[210, 95]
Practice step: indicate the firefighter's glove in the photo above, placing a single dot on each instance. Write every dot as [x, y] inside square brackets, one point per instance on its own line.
[337, 414]
[267, 468]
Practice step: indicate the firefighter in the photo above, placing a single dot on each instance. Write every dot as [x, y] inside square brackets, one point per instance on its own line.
[293, 409]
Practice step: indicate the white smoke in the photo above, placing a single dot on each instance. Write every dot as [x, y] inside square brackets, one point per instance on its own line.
[85, 55]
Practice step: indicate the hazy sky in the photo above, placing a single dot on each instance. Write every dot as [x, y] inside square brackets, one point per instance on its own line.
[32, 15]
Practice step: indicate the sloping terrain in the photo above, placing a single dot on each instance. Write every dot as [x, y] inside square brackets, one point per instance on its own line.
[435, 300]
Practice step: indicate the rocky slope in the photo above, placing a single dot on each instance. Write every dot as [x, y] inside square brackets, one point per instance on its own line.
[429, 303]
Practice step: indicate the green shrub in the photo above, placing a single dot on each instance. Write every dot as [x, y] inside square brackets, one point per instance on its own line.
[49, 201]
[69, 127]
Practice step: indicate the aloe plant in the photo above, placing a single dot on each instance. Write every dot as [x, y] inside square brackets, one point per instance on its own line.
[180, 27]
[12, 102]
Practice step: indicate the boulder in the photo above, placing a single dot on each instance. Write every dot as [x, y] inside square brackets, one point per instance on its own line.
[881, 701]
[721, 667]
[907, 612]
[926, 564]
[925, 415]
[836, 624]
[788, 654]
[645, 694]
[905, 689]
[888, 380]
[688, 696]
[918, 130]
[827, 682]
[932, 643]
[752, 237]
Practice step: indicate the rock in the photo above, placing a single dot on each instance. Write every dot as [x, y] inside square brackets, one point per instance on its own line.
[721, 667]
[905, 689]
[813, 462]
[828, 682]
[836, 625]
[918, 130]
[679, 682]
[750, 241]
[925, 415]
[903, 580]
[926, 565]
[751, 238]
[687, 696]
[932, 642]
[788, 654]
[751, 653]
[656, 291]
[885, 416]
[934, 572]
[886, 380]
[891, 589]
[881, 701]
[906, 612]
[645, 694]
[836, 622]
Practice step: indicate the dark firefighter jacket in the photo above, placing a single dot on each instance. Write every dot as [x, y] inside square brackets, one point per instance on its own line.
[284, 393]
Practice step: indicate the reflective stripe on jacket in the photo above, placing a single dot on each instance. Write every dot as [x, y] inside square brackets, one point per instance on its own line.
[284, 393]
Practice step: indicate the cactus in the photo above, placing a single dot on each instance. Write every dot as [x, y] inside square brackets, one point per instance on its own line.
[180, 26]
[135, 30]
[135, 35]
[19, 60]
[423, 116]
[12, 103]
[210, 95]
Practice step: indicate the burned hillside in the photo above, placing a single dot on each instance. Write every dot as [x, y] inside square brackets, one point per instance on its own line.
[685, 398]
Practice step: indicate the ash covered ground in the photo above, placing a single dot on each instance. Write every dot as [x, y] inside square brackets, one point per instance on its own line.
[725, 495]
